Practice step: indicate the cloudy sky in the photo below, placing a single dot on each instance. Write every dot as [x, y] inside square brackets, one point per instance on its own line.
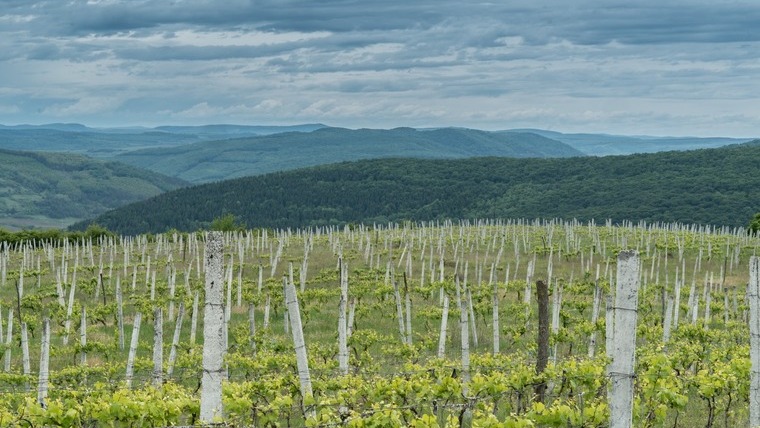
[676, 67]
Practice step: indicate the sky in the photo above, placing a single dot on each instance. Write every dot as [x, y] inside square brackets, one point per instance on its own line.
[641, 67]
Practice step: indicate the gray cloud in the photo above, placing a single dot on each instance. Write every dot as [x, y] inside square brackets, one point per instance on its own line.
[584, 21]
[553, 63]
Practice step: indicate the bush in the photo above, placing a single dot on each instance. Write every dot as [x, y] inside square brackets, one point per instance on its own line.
[93, 231]
[226, 223]
[754, 224]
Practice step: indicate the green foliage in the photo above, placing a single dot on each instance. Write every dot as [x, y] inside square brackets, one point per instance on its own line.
[54, 189]
[711, 186]
[93, 232]
[226, 223]
[145, 407]
[754, 224]
[30, 235]
[698, 375]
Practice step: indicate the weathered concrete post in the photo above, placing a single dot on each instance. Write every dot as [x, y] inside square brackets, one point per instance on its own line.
[120, 312]
[754, 340]
[302, 360]
[465, 335]
[175, 339]
[133, 348]
[542, 342]
[25, 353]
[444, 322]
[8, 341]
[595, 316]
[621, 369]
[194, 319]
[495, 314]
[42, 382]
[399, 312]
[342, 333]
[158, 346]
[83, 335]
[213, 331]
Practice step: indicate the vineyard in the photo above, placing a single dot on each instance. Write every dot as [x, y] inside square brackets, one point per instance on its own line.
[422, 325]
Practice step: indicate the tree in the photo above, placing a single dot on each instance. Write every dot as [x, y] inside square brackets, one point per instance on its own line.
[226, 223]
[754, 224]
[96, 231]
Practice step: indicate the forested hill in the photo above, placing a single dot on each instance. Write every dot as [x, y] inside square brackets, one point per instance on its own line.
[218, 160]
[54, 189]
[712, 186]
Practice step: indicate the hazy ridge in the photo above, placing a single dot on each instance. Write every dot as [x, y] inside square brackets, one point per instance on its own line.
[219, 160]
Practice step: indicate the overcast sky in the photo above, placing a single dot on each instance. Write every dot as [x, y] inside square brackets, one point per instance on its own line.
[675, 67]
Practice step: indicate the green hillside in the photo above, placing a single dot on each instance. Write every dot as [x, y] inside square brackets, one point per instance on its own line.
[713, 186]
[219, 160]
[55, 190]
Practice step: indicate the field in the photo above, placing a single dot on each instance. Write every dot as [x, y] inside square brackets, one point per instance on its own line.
[692, 352]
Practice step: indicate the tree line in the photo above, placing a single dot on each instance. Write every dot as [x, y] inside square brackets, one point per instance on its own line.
[710, 186]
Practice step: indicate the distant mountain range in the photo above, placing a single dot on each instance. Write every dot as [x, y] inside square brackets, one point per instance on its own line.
[604, 145]
[215, 130]
[219, 160]
[109, 142]
[199, 154]
[53, 190]
[708, 186]
[588, 143]
[230, 131]
[262, 149]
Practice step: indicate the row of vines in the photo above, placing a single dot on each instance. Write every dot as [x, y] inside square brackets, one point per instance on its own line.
[126, 327]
